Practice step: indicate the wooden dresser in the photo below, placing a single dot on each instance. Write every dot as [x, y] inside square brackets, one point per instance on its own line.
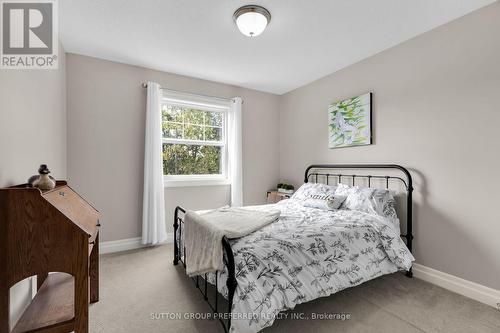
[55, 236]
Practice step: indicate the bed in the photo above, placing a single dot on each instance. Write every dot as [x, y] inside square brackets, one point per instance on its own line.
[308, 253]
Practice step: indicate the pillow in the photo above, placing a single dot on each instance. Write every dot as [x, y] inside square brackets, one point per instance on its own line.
[357, 198]
[385, 205]
[319, 196]
[343, 189]
[308, 189]
[369, 200]
[330, 202]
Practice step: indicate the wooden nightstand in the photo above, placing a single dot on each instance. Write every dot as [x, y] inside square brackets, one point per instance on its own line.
[275, 196]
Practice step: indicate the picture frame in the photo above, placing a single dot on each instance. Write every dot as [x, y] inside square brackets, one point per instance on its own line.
[350, 122]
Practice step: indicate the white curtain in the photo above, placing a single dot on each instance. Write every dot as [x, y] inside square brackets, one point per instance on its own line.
[235, 152]
[153, 208]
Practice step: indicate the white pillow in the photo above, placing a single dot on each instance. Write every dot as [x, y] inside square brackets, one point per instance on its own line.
[308, 189]
[321, 196]
[372, 201]
[385, 205]
[369, 200]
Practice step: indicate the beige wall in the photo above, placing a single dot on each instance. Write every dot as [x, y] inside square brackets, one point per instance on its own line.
[436, 111]
[201, 197]
[32, 132]
[106, 120]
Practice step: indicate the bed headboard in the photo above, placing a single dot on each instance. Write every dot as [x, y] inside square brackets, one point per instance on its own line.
[327, 172]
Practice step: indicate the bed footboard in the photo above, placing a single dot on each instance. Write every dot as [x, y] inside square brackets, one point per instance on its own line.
[224, 314]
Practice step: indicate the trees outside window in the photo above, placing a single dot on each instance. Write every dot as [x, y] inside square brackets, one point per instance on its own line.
[194, 141]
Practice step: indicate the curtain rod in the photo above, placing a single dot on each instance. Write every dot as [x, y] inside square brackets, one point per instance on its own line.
[145, 85]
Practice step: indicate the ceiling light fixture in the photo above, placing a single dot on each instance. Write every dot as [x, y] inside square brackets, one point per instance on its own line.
[252, 20]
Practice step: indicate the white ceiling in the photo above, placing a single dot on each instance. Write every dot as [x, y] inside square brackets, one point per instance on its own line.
[306, 39]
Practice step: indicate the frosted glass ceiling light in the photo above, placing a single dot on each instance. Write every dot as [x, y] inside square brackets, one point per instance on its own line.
[252, 20]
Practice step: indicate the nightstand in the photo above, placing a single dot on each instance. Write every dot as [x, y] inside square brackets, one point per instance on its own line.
[275, 196]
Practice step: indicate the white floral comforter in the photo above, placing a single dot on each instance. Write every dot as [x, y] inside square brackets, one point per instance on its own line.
[307, 254]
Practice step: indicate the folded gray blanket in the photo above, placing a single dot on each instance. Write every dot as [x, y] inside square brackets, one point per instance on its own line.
[204, 233]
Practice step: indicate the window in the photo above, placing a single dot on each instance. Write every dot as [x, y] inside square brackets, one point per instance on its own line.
[194, 141]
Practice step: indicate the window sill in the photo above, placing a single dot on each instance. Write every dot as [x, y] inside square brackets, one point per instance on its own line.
[167, 183]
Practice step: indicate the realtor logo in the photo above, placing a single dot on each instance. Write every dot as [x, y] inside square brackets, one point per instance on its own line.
[29, 37]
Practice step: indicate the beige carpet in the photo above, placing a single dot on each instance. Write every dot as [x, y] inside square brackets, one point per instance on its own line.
[138, 283]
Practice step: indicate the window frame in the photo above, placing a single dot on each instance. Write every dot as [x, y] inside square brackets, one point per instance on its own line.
[201, 103]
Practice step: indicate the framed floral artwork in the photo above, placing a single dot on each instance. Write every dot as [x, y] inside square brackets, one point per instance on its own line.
[350, 122]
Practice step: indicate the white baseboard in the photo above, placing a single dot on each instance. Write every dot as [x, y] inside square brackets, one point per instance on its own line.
[458, 285]
[127, 244]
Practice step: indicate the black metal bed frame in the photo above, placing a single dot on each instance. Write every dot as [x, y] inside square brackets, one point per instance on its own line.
[225, 316]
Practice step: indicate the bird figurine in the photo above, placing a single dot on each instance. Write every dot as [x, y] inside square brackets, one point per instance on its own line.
[43, 181]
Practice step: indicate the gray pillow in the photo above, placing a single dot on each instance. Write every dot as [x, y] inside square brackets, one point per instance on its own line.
[329, 202]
